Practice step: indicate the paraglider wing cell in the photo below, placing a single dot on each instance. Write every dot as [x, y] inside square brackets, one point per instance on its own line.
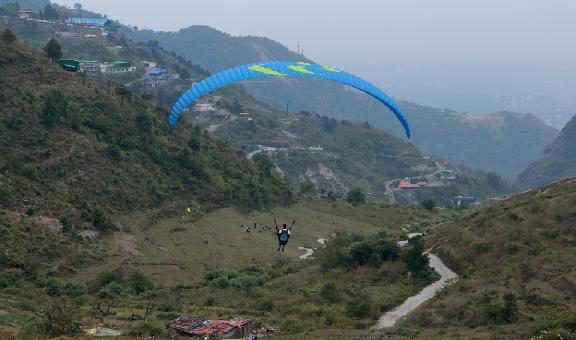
[282, 69]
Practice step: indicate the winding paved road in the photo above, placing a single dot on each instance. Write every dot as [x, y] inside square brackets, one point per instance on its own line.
[447, 276]
[310, 251]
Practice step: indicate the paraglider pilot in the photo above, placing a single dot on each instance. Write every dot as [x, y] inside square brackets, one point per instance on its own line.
[283, 234]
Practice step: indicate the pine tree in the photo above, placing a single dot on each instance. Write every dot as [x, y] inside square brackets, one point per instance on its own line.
[53, 50]
[50, 13]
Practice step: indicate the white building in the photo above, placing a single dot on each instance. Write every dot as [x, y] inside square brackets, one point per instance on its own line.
[204, 107]
[25, 13]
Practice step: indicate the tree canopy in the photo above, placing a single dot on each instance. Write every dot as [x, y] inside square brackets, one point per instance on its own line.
[53, 49]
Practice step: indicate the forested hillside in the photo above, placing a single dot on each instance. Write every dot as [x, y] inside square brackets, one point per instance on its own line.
[94, 146]
[558, 160]
[504, 142]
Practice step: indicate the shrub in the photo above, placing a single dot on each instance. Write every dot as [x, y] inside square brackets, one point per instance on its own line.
[114, 153]
[356, 196]
[329, 292]
[105, 278]
[101, 220]
[245, 283]
[307, 188]
[264, 304]
[75, 289]
[60, 318]
[210, 301]
[111, 291]
[139, 283]
[221, 283]
[359, 307]
[428, 204]
[499, 314]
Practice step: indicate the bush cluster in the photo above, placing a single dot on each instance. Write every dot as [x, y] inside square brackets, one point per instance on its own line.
[246, 279]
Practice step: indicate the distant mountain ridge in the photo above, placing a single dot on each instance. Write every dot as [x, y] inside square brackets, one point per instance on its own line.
[504, 143]
[558, 160]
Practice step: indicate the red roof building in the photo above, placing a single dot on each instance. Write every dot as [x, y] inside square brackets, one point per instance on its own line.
[406, 184]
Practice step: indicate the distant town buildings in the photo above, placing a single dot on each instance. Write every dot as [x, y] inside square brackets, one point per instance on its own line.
[90, 22]
[204, 107]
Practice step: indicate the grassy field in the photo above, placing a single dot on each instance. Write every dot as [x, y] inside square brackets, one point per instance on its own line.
[178, 253]
[179, 250]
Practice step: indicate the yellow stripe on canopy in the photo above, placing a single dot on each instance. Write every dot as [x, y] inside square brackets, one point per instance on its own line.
[266, 70]
[300, 69]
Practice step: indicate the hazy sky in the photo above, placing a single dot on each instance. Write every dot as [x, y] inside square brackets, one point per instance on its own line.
[472, 55]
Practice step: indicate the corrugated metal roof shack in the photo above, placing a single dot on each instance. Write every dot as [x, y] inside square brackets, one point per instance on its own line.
[194, 326]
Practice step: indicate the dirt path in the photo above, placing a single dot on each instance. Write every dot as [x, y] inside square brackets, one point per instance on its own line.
[447, 276]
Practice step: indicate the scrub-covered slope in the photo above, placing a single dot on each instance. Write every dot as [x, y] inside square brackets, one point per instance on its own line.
[516, 262]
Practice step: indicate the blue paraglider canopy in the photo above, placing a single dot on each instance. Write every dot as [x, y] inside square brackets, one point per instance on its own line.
[282, 69]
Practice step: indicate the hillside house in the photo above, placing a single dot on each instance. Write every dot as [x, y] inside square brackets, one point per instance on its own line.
[406, 184]
[157, 72]
[90, 66]
[117, 67]
[447, 174]
[462, 201]
[25, 13]
[70, 65]
[193, 326]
